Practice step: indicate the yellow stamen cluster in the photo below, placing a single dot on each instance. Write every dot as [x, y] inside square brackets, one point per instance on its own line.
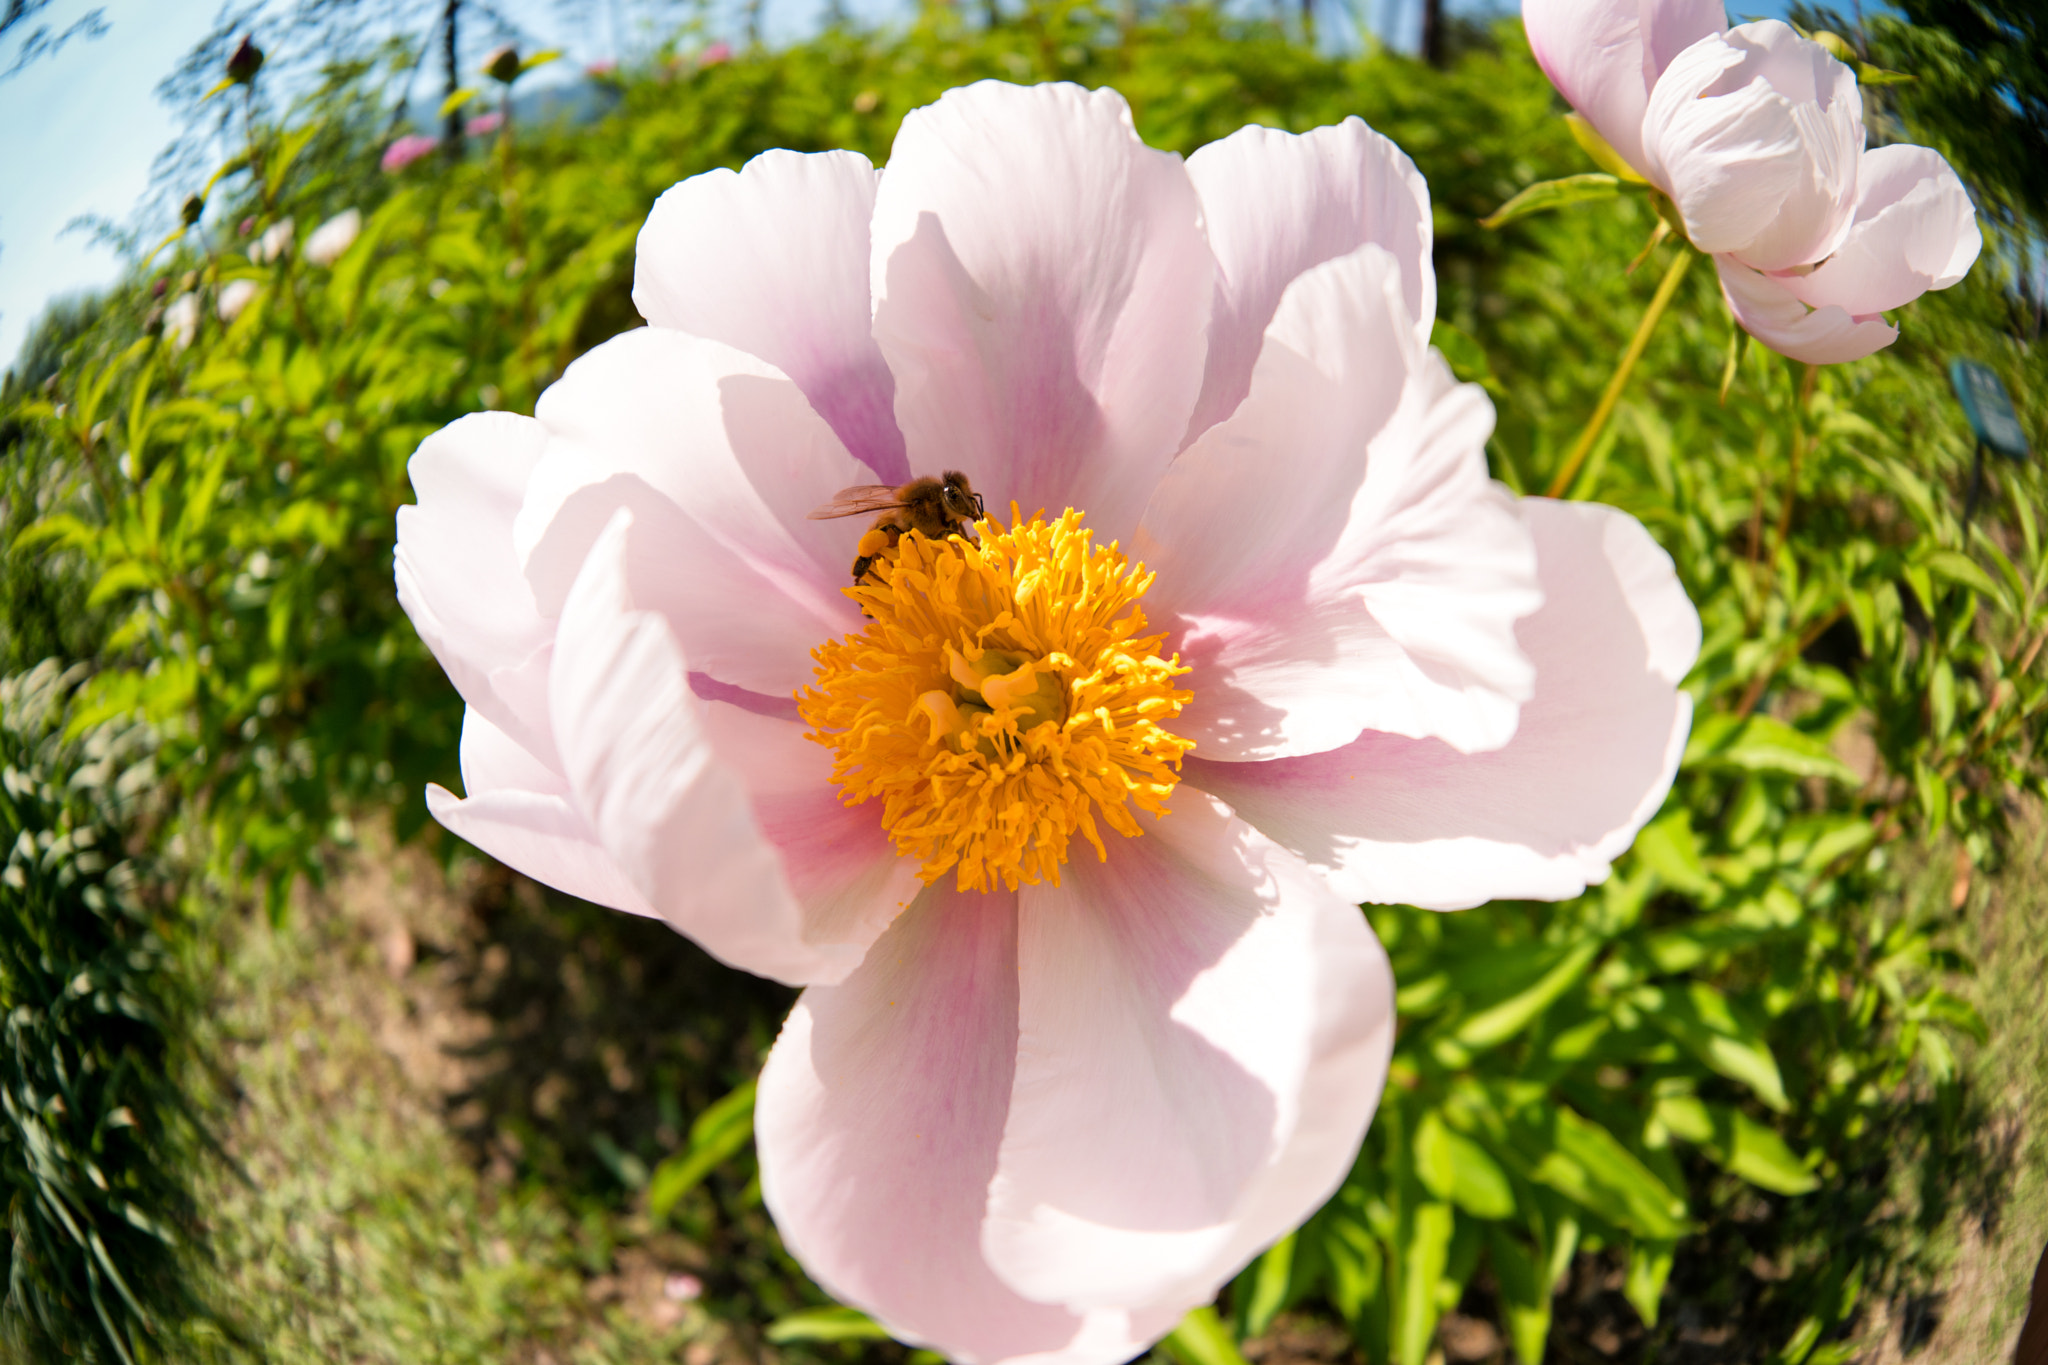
[1003, 699]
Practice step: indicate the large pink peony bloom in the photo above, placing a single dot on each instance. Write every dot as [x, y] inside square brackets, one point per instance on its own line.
[1087, 1024]
[1757, 135]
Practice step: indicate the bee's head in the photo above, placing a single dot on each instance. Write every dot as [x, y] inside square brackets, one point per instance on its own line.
[962, 503]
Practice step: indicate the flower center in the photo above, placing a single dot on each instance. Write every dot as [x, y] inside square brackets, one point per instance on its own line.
[1003, 698]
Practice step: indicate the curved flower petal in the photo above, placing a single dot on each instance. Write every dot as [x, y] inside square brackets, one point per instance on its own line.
[1394, 819]
[1278, 203]
[521, 812]
[877, 1121]
[1757, 134]
[839, 861]
[1042, 290]
[671, 813]
[721, 459]
[1915, 230]
[1204, 1031]
[773, 260]
[1605, 57]
[1771, 313]
[458, 576]
[1333, 556]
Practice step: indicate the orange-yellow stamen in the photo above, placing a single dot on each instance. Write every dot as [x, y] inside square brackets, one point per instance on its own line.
[1003, 698]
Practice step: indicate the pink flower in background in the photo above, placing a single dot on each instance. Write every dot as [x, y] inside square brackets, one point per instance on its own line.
[1757, 135]
[407, 150]
[1066, 852]
[181, 321]
[601, 68]
[334, 237]
[235, 295]
[485, 124]
[714, 54]
[274, 243]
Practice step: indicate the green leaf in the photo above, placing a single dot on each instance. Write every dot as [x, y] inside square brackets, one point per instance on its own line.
[1965, 572]
[1762, 744]
[1589, 1166]
[1508, 1018]
[1700, 1020]
[1524, 1292]
[1201, 1339]
[1740, 1144]
[1554, 194]
[540, 59]
[458, 98]
[1668, 847]
[1271, 1276]
[1478, 1185]
[825, 1324]
[720, 1133]
[1649, 1266]
[1420, 1261]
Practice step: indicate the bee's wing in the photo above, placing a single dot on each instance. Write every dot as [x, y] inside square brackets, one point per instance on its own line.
[851, 502]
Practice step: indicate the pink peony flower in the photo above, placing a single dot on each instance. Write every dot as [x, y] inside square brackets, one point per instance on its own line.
[407, 150]
[714, 54]
[1065, 851]
[483, 125]
[274, 243]
[235, 295]
[334, 237]
[1757, 135]
[181, 321]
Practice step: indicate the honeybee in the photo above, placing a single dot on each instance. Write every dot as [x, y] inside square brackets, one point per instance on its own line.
[935, 508]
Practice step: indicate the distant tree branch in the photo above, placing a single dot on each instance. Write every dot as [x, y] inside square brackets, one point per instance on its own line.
[44, 39]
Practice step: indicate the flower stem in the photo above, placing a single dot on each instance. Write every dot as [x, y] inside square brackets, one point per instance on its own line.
[1658, 303]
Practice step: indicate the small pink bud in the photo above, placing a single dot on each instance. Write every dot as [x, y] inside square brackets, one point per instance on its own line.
[407, 150]
[483, 125]
[682, 1288]
[714, 54]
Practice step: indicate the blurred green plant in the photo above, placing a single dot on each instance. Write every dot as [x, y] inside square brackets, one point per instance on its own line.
[1736, 1020]
[97, 1140]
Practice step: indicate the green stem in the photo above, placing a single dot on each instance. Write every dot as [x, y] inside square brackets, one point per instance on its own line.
[1658, 303]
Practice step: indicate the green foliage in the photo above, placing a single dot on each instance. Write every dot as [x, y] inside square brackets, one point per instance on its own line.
[96, 1140]
[1743, 1016]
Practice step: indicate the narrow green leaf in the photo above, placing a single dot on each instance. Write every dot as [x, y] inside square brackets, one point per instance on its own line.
[1589, 1166]
[720, 1133]
[1271, 1275]
[1511, 1016]
[1420, 1261]
[1524, 1292]
[1649, 1267]
[458, 99]
[1554, 194]
[825, 1324]
[1201, 1339]
[1700, 1020]
[1762, 744]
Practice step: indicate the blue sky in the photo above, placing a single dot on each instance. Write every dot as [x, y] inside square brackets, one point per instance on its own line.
[85, 125]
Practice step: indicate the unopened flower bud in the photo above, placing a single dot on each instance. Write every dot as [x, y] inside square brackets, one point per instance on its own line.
[246, 60]
[503, 65]
[189, 211]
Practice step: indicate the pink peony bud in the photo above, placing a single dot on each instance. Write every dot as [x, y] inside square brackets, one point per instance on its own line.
[483, 125]
[407, 150]
[714, 54]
